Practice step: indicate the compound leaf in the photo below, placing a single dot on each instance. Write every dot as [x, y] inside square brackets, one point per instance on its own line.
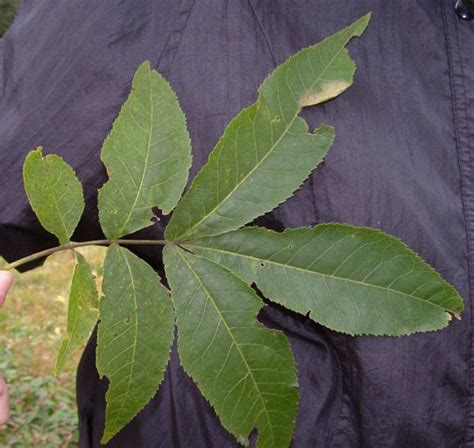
[54, 192]
[82, 313]
[354, 280]
[266, 152]
[147, 155]
[134, 337]
[245, 370]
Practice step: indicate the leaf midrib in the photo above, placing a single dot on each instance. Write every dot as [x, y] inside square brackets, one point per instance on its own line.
[147, 157]
[270, 151]
[306, 271]
[233, 339]
[136, 326]
[56, 204]
[71, 328]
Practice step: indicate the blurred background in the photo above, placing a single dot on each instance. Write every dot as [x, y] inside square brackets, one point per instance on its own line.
[32, 325]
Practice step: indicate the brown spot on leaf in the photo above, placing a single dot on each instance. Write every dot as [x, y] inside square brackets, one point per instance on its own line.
[329, 90]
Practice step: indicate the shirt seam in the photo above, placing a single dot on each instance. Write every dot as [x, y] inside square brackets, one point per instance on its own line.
[459, 117]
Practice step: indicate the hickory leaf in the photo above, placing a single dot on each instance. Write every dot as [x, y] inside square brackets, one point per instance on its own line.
[266, 152]
[354, 280]
[82, 313]
[245, 370]
[134, 337]
[54, 192]
[147, 155]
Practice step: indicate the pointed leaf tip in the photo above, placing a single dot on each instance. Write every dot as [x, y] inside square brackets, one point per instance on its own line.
[355, 280]
[134, 337]
[147, 155]
[244, 369]
[275, 153]
[82, 313]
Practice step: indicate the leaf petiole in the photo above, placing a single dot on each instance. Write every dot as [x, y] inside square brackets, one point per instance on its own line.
[74, 245]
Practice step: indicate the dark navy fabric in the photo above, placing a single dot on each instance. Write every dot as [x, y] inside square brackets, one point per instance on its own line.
[402, 161]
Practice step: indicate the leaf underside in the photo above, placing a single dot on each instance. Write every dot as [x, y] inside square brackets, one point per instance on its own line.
[354, 280]
[82, 313]
[350, 279]
[245, 370]
[147, 155]
[134, 337]
[266, 152]
[54, 192]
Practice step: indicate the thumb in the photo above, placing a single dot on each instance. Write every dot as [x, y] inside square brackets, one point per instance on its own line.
[6, 280]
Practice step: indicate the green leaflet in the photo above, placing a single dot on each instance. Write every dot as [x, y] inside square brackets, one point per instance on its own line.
[354, 280]
[351, 279]
[82, 313]
[147, 155]
[245, 370]
[134, 337]
[54, 192]
[266, 151]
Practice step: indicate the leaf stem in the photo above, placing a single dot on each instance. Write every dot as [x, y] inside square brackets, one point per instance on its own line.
[71, 246]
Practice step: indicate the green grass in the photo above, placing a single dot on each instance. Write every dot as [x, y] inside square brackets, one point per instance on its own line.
[7, 13]
[32, 324]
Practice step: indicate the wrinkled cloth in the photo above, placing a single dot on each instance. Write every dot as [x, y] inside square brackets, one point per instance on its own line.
[402, 161]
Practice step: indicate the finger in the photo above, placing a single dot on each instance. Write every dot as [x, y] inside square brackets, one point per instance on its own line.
[6, 280]
[4, 402]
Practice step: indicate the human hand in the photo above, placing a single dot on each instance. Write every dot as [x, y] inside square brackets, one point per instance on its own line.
[6, 280]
